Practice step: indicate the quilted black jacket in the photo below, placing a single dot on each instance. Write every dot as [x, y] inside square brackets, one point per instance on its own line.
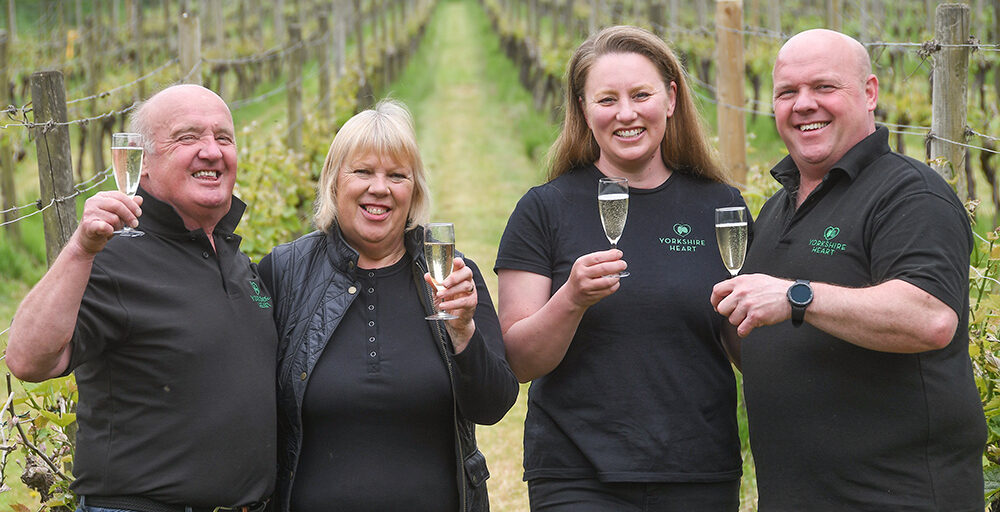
[311, 281]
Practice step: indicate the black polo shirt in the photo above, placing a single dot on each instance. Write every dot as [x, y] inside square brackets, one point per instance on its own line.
[834, 426]
[174, 354]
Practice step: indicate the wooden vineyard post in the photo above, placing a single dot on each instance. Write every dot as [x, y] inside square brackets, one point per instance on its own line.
[189, 47]
[366, 96]
[341, 11]
[774, 16]
[135, 24]
[12, 21]
[948, 97]
[55, 166]
[658, 18]
[7, 188]
[833, 15]
[323, 56]
[95, 128]
[294, 87]
[592, 19]
[731, 115]
[279, 17]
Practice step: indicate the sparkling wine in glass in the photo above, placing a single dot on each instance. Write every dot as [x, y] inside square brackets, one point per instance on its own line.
[126, 160]
[612, 199]
[439, 251]
[731, 234]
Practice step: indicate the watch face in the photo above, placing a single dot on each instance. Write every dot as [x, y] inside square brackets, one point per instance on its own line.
[800, 293]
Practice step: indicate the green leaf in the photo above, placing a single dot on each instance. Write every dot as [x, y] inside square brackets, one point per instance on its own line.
[59, 419]
[991, 480]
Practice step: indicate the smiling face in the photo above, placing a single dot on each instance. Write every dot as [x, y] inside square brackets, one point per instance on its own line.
[192, 162]
[626, 104]
[824, 98]
[373, 203]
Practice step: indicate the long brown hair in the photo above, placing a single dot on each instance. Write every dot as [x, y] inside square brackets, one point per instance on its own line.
[684, 149]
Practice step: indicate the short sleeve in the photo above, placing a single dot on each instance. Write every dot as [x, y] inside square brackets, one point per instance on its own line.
[526, 243]
[925, 240]
[102, 319]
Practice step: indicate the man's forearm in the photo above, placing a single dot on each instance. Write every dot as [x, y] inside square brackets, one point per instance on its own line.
[38, 346]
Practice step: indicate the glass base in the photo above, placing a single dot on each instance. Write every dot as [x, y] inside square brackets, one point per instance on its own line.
[623, 273]
[441, 316]
[129, 233]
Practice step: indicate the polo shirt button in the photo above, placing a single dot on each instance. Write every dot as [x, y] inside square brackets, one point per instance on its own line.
[352, 290]
[371, 307]
[303, 376]
[204, 254]
[371, 340]
[373, 354]
[371, 274]
[371, 323]
[371, 290]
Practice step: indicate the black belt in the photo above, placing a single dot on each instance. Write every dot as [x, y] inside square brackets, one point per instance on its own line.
[140, 504]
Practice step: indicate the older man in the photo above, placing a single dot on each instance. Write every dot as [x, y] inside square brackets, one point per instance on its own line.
[170, 335]
[854, 309]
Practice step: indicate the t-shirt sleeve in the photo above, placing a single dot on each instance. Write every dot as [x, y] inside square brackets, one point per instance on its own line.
[925, 240]
[102, 318]
[526, 243]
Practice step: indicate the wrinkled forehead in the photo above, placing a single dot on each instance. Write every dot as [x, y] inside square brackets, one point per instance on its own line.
[189, 110]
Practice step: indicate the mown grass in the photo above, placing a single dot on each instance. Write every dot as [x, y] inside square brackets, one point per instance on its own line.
[482, 143]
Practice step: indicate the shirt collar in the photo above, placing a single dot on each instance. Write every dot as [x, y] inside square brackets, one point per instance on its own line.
[856, 160]
[161, 217]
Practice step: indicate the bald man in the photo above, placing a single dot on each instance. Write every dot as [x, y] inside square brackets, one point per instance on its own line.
[170, 334]
[853, 307]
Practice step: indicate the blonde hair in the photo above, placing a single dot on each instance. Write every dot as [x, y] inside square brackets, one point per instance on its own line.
[386, 131]
[684, 148]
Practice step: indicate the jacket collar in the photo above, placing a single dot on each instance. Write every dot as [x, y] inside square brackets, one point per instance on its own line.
[345, 258]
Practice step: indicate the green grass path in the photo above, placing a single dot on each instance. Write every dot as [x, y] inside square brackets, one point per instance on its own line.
[472, 121]
[480, 141]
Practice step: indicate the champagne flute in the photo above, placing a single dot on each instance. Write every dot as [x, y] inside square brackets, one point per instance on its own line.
[612, 199]
[731, 234]
[126, 159]
[439, 251]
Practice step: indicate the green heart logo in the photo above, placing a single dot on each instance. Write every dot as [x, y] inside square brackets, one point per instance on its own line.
[682, 229]
[831, 232]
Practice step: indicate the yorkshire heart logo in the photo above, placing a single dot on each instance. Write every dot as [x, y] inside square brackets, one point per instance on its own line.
[831, 232]
[682, 229]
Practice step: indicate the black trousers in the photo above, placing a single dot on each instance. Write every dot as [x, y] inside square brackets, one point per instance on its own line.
[591, 495]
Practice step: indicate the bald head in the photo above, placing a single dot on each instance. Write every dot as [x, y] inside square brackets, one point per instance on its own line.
[159, 107]
[851, 55]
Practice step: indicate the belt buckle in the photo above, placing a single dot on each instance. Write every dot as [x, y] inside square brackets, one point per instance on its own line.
[252, 507]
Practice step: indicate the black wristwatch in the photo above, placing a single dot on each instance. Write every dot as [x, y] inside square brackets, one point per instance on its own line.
[800, 295]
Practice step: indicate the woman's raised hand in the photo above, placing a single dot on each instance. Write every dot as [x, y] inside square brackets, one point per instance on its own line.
[459, 297]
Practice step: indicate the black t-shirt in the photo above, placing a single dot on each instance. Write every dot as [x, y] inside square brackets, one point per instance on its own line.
[378, 431]
[835, 426]
[174, 355]
[645, 392]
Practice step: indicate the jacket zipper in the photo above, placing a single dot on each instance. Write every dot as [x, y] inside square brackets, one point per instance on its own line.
[441, 340]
